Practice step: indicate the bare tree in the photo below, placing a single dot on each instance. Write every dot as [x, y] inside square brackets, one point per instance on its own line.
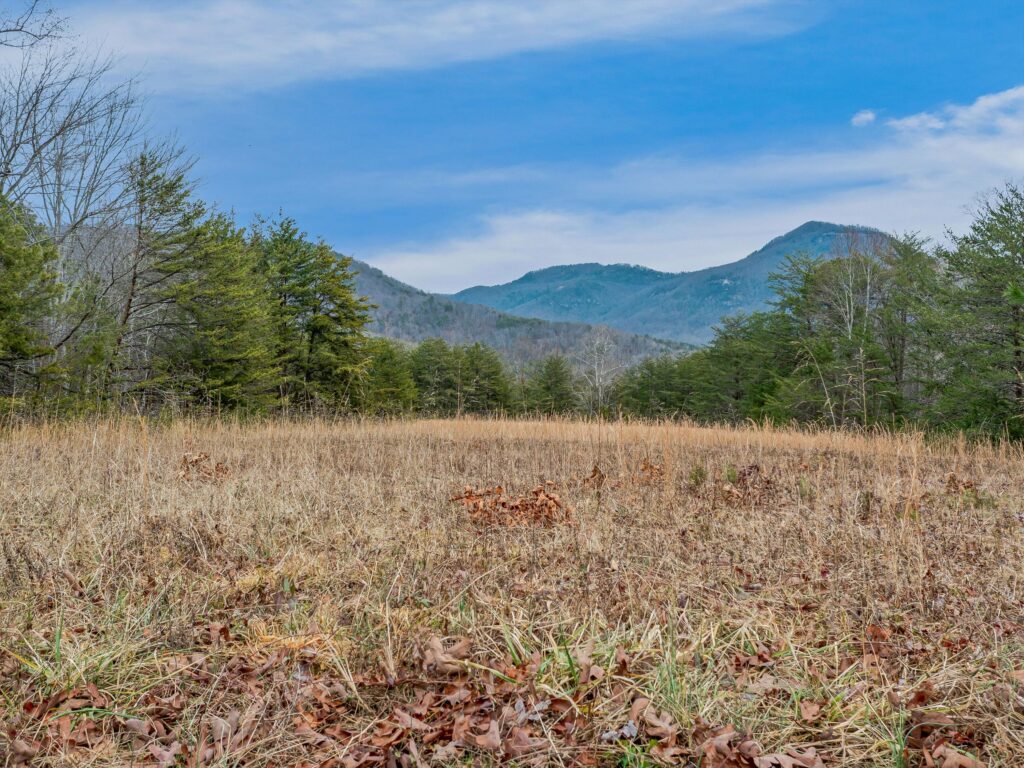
[34, 23]
[66, 134]
[598, 366]
[69, 130]
[850, 289]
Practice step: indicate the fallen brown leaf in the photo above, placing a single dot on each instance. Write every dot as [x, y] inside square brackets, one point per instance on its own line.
[925, 693]
[437, 659]
[489, 740]
[165, 756]
[520, 743]
[810, 711]
[952, 759]
[23, 751]
[791, 759]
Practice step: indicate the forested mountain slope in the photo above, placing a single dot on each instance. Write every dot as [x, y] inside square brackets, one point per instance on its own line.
[682, 306]
[409, 314]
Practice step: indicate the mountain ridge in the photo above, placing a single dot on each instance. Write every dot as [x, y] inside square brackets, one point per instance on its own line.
[679, 306]
[409, 314]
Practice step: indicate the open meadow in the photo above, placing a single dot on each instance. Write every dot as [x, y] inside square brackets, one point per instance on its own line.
[476, 592]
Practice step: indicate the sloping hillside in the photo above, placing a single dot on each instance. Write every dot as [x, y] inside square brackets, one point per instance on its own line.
[409, 314]
[682, 306]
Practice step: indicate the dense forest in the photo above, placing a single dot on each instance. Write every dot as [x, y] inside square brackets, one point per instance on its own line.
[121, 289]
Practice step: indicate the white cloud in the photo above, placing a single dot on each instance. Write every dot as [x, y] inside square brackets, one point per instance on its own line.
[210, 44]
[863, 118]
[673, 213]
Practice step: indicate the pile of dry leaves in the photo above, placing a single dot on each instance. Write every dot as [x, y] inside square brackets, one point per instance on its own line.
[199, 466]
[491, 506]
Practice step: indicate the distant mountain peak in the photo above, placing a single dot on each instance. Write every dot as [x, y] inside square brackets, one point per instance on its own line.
[811, 229]
[816, 226]
[683, 306]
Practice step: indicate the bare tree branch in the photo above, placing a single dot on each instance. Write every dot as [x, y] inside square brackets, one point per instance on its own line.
[33, 24]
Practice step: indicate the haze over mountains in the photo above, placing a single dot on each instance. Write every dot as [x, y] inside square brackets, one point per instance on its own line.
[558, 309]
[682, 306]
[409, 314]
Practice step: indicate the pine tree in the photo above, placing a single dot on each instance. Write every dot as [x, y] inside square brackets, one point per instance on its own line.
[458, 380]
[436, 372]
[386, 387]
[741, 367]
[984, 328]
[319, 320]
[159, 254]
[28, 288]
[550, 387]
[908, 321]
[335, 336]
[653, 388]
[485, 385]
[223, 354]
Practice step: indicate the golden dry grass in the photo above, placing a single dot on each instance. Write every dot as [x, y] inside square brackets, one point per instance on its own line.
[275, 603]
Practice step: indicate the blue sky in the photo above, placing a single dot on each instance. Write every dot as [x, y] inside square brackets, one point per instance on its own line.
[456, 142]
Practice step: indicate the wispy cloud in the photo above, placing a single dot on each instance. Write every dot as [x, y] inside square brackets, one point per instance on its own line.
[921, 173]
[210, 44]
[863, 118]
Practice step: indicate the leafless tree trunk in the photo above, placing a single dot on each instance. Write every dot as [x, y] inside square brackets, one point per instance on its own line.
[598, 368]
[851, 296]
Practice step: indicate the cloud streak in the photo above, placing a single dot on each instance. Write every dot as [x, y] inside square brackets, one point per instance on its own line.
[919, 173]
[863, 118]
[252, 44]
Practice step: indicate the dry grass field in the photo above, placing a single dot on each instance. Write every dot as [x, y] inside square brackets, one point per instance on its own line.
[483, 592]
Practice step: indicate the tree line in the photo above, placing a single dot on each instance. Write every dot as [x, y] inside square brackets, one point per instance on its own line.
[121, 289]
[197, 314]
[887, 331]
[119, 286]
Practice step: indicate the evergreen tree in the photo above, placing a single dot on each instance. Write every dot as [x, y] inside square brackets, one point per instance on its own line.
[435, 369]
[386, 387]
[984, 319]
[484, 385]
[28, 288]
[319, 319]
[909, 322]
[550, 387]
[223, 353]
[159, 253]
[646, 388]
[658, 387]
[741, 368]
[452, 381]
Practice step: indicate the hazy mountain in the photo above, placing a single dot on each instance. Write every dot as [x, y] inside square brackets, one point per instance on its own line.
[409, 314]
[682, 306]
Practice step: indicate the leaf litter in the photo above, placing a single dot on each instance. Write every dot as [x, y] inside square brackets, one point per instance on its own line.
[771, 645]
